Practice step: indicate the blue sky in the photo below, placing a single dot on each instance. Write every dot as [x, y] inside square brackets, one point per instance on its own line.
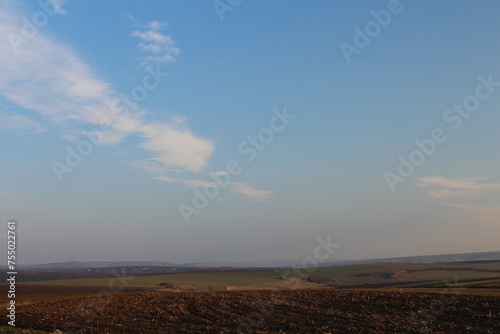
[331, 128]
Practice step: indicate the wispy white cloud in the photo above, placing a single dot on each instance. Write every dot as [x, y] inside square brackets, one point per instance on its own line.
[57, 5]
[48, 77]
[167, 179]
[456, 187]
[149, 166]
[130, 17]
[191, 183]
[199, 183]
[239, 188]
[474, 186]
[250, 192]
[158, 46]
[16, 122]
[471, 183]
[447, 193]
[175, 145]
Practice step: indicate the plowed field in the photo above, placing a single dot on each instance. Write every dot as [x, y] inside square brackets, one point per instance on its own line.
[290, 311]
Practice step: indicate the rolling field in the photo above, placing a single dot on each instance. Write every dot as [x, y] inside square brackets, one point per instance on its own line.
[463, 291]
[398, 275]
[203, 280]
[404, 274]
[284, 311]
[35, 293]
[267, 303]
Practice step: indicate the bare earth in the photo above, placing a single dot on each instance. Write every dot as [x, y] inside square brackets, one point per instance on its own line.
[282, 311]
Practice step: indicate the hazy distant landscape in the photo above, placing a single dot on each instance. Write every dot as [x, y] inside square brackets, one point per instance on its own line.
[439, 258]
[344, 298]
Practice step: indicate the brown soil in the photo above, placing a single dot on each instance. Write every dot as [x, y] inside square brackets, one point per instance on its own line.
[290, 311]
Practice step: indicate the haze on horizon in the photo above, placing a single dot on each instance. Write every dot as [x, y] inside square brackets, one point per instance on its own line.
[202, 131]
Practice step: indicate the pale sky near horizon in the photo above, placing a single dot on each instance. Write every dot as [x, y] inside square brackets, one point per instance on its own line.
[376, 123]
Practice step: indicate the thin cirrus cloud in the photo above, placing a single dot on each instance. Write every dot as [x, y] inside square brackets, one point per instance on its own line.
[456, 187]
[188, 183]
[20, 123]
[49, 78]
[149, 166]
[250, 192]
[240, 188]
[486, 215]
[158, 46]
[57, 5]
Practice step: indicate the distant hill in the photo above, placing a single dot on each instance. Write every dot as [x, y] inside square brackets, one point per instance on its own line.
[404, 274]
[464, 257]
[441, 258]
[96, 264]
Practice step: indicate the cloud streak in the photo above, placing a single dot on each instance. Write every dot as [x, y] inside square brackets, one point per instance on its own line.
[158, 46]
[49, 78]
[57, 5]
[19, 123]
[456, 187]
[250, 192]
[239, 188]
